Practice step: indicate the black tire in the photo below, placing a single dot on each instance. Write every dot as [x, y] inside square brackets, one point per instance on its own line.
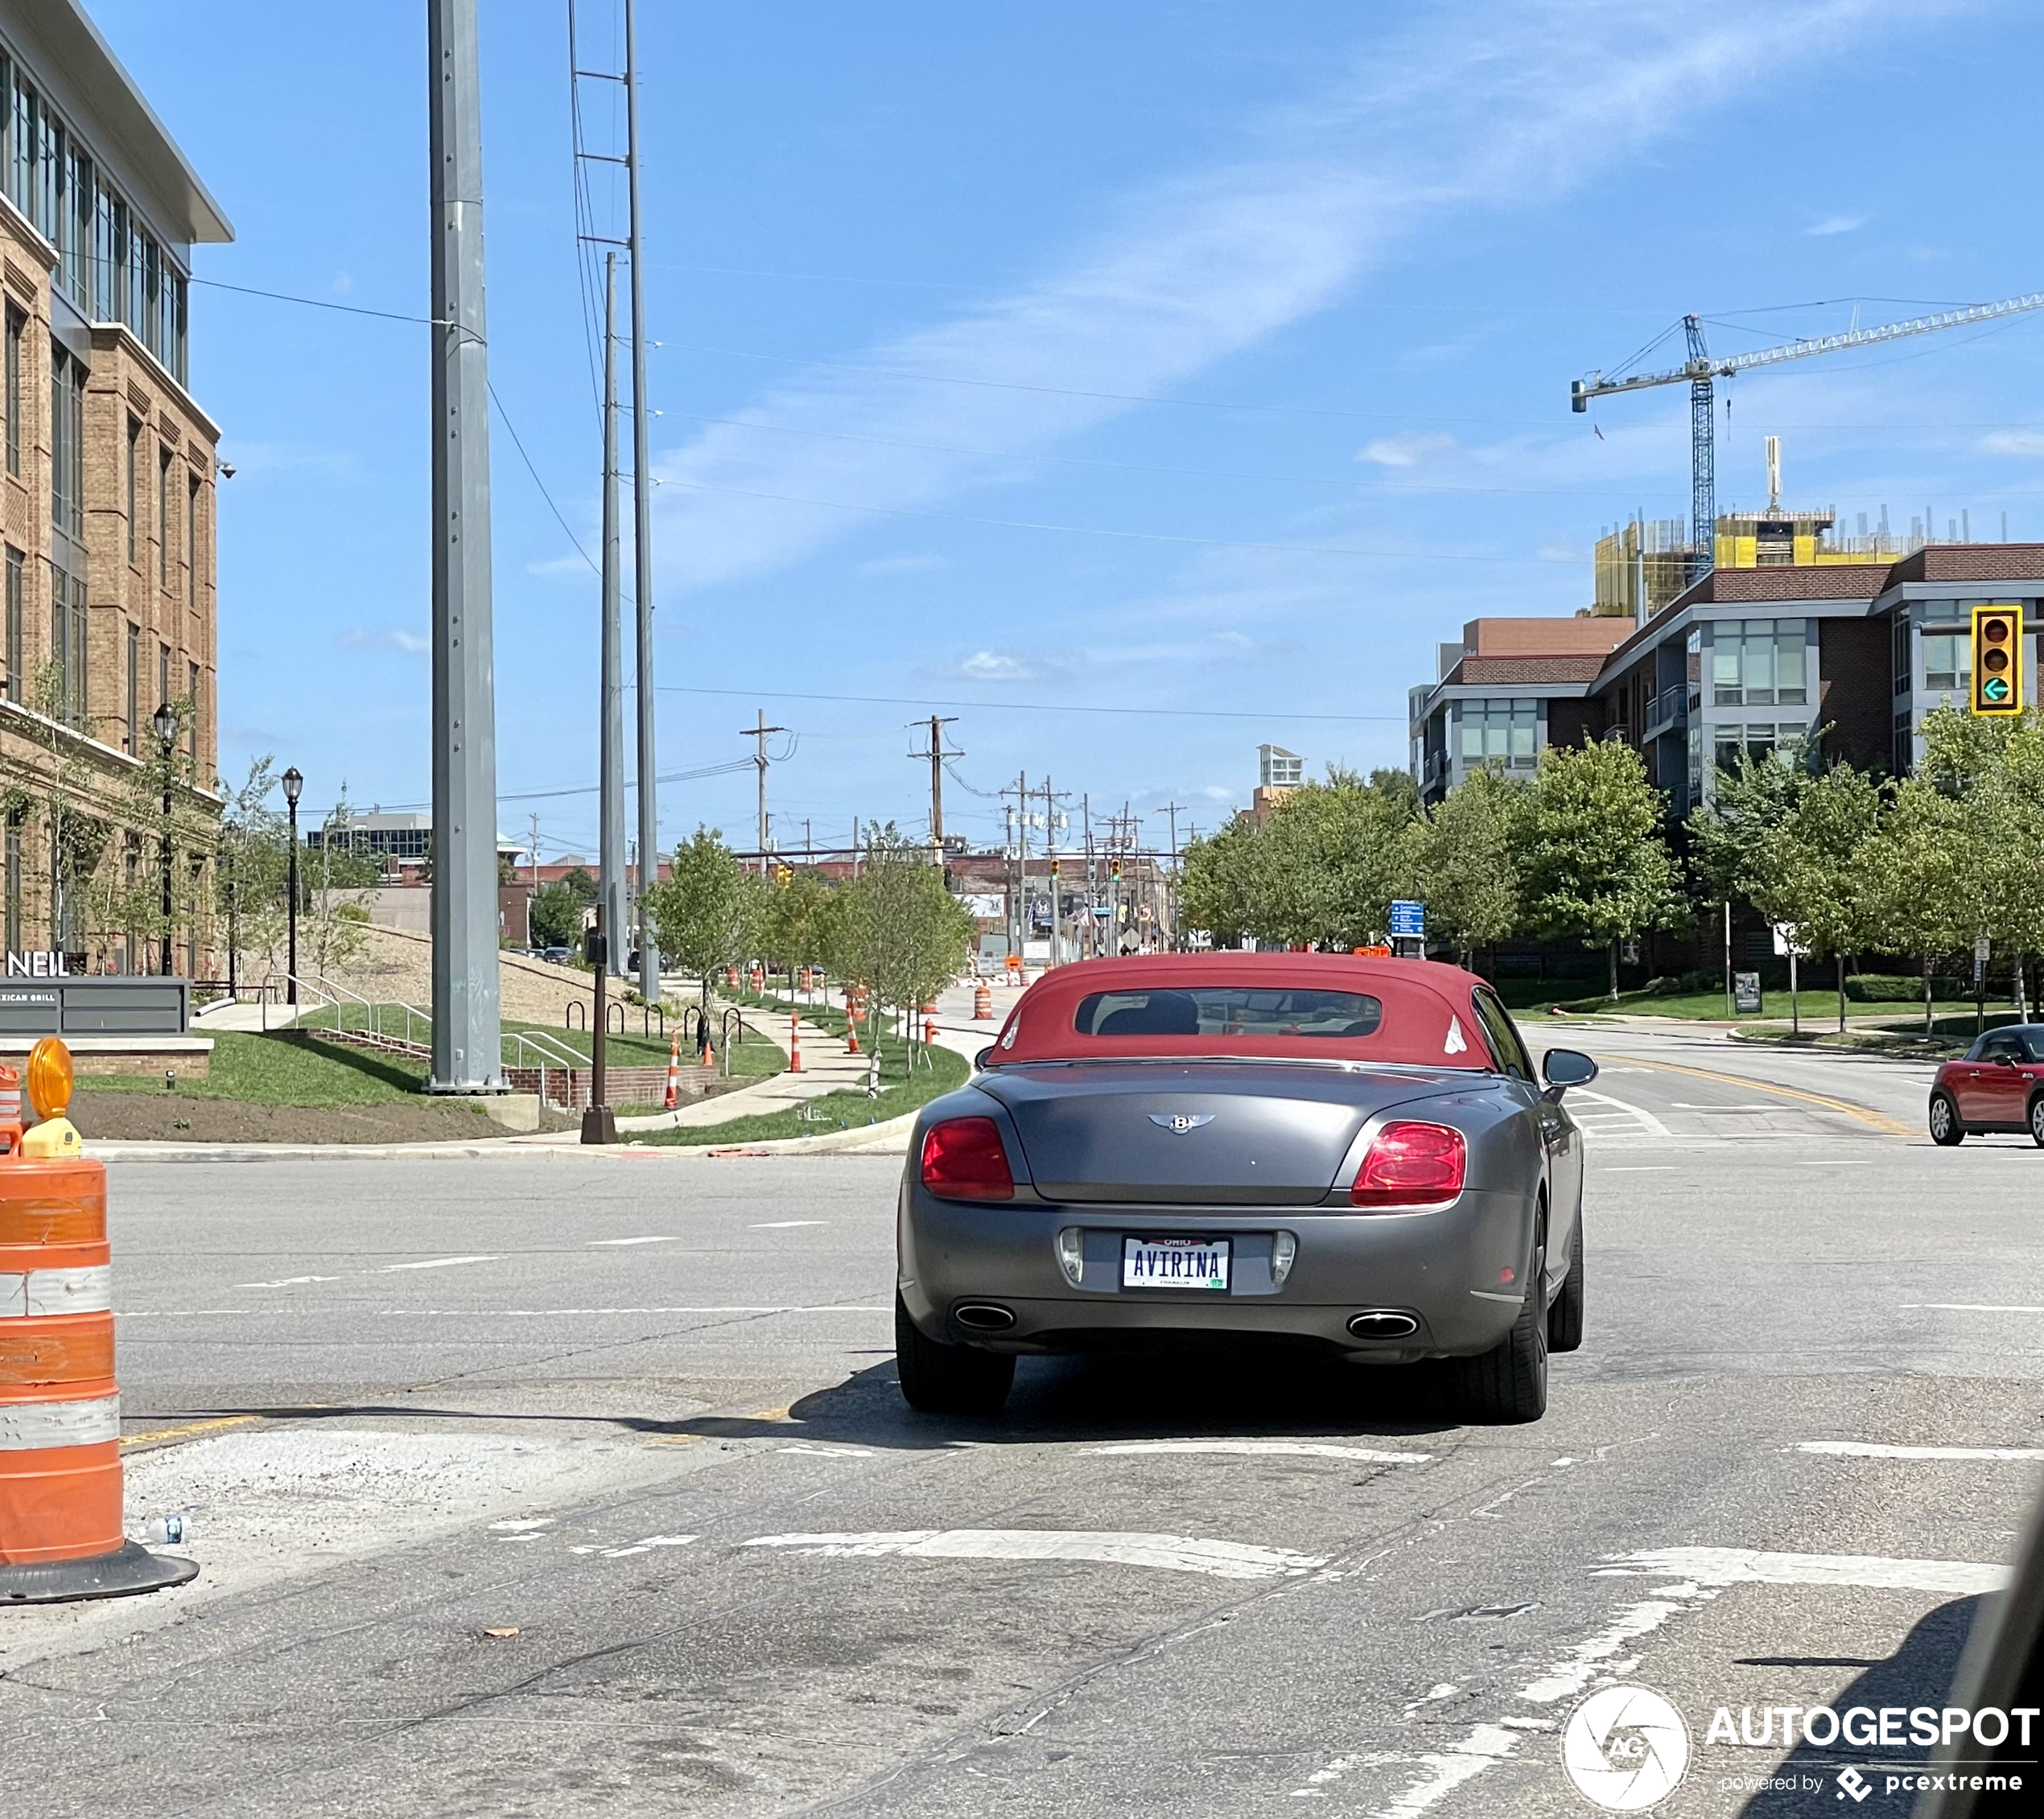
[1508, 1383]
[948, 1379]
[2037, 1121]
[1946, 1130]
[1565, 1317]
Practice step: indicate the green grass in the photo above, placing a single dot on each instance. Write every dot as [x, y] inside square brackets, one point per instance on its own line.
[284, 1068]
[755, 1057]
[1815, 1006]
[938, 1070]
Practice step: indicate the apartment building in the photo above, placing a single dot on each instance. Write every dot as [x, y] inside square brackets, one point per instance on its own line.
[110, 521]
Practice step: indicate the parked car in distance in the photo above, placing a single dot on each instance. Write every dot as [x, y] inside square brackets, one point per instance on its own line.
[559, 956]
[1319, 1150]
[1996, 1086]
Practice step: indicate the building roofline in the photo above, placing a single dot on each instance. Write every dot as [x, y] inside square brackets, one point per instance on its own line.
[64, 33]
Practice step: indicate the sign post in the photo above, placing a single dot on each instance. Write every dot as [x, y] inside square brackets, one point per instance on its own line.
[1408, 930]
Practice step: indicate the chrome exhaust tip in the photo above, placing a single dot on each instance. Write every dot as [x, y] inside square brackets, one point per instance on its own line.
[1382, 1324]
[983, 1316]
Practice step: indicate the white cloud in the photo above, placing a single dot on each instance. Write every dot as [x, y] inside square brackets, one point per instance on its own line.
[1000, 666]
[1405, 451]
[1836, 223]
[2024, 444]
[1475, 107]
[383, 637]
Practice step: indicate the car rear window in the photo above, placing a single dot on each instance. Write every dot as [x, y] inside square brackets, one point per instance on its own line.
[1228, 1010]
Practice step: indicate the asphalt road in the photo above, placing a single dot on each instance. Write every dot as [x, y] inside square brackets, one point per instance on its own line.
[567, 1487]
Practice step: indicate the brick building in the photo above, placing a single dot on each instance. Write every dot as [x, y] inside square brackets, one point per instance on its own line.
[1746, 658]
[109, 522]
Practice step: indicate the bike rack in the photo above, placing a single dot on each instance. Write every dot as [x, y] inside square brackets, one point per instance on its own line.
[731, 1016]
[576, 1008]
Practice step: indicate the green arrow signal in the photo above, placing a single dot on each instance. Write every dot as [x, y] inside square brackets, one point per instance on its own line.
[1995, 690]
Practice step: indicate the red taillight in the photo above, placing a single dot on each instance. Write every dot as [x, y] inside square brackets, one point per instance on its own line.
[963, 1160]
[1411, 1165]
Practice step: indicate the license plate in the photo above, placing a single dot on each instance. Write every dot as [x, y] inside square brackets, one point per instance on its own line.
[1174, 1263]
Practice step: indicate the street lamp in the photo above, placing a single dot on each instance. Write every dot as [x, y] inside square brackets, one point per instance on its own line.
[164, 719]
[293, 788]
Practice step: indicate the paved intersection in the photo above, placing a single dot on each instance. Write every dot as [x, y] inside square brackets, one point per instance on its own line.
[553, 1486]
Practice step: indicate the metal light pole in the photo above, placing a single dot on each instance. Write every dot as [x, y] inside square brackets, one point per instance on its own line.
[293, 788]
[164, 719]
[610, 864]
[641, 538]
[468, 1029]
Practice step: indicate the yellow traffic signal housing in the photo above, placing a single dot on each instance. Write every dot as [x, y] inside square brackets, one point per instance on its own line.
[1998, 659]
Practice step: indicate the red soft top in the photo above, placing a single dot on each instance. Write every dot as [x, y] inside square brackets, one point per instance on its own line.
[1427, 1017]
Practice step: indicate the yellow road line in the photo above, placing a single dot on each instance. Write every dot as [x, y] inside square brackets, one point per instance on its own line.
[696, 1439]
[1881, 1122]
[188, 1430]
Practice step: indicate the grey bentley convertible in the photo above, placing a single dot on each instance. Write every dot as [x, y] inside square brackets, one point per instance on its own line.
[1334, 1151]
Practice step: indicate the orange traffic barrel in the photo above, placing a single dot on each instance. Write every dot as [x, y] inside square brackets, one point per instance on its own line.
[983, 1003]
[60, 1533]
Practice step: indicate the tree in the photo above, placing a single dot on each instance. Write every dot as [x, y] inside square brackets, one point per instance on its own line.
[1596, 867]
[1812, 881]
[895, 928]
[252, 876]
[704, 911]
[1467, 859]
[1914, 878]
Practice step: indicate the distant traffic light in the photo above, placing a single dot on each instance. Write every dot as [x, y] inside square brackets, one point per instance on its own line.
[1998, 659]
[784, 875]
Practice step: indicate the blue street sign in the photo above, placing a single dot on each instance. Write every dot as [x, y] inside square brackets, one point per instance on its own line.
[1408, 921]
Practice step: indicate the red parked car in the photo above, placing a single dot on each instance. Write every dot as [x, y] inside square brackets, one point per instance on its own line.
[1998, 1086]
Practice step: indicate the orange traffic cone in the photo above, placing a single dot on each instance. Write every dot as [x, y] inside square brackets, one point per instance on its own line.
[794, 1043]
[851, 1020]
[674, 1073]
[983, 1003]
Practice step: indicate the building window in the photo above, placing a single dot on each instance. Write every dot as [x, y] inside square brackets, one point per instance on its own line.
[192, 543]
[1947, 663]
[192, 718]
[67, 644]
[1758, 663]
[67, 445]
[17, 330]
[163, 673]
[1500, 732]
[17, 579]
[14, 819]
[135, 490]
[162, 517]
[1904, 751]
[134, 688]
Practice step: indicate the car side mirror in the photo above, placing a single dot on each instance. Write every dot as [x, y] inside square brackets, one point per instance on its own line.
[2004, 1061]
[1562, 1068]
[983, 1059]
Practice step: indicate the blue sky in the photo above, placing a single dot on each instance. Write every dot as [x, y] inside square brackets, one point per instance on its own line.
[1208, 359]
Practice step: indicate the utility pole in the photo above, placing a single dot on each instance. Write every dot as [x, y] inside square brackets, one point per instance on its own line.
[467, 1028]
[759, 731]
[1171, 881]
[610, 869]
[1019, 919]
[642, 536]
[535, 849]
[937, 754]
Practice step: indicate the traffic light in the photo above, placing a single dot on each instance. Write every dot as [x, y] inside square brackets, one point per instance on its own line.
[1998, 659]
[784, 875]
[1118, 868]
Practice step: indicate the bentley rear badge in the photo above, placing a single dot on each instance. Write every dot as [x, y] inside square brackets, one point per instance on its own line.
[1178, 1123]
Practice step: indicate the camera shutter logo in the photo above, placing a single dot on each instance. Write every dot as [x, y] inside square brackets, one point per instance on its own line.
[1626, 1748]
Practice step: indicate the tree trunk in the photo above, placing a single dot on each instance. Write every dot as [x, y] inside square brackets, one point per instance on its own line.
[1841, 993]
[1927, 1024]
[1614, 970]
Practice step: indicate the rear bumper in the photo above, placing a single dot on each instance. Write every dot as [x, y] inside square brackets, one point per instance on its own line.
[1448, 1270]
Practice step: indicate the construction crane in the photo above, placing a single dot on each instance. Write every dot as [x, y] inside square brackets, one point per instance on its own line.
[1703, 369]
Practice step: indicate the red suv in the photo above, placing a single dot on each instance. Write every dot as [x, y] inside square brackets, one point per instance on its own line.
[1998, 1086]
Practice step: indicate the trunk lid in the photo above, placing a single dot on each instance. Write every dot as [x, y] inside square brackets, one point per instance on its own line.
[1207, 1134]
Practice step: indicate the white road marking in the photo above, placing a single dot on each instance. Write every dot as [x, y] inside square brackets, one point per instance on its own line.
[1572, 1672]
[1720, 1566]
[1181, 1554]
[520, 1525]
[1301, 1449]
[1485, 1747]
[1971, 1307]
[649, 1545]
[1838, 1162]
[1684, 1105]
[1638, 1168]
[830, 1452]
[1646, 1123]
[1869, 1449]
[785, 1225]
[663, 1240]
[491, 1313]
[437, 1263]
[287, 1282]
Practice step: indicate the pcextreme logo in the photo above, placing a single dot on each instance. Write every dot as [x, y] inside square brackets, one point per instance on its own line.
[1626, 1748]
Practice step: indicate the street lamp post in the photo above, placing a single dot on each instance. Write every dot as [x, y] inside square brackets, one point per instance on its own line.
[165, 722]
[293, 788]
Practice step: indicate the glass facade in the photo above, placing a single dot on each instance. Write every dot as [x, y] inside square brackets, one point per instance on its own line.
[1506, 732]
[1758, 663]
[109, 266]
